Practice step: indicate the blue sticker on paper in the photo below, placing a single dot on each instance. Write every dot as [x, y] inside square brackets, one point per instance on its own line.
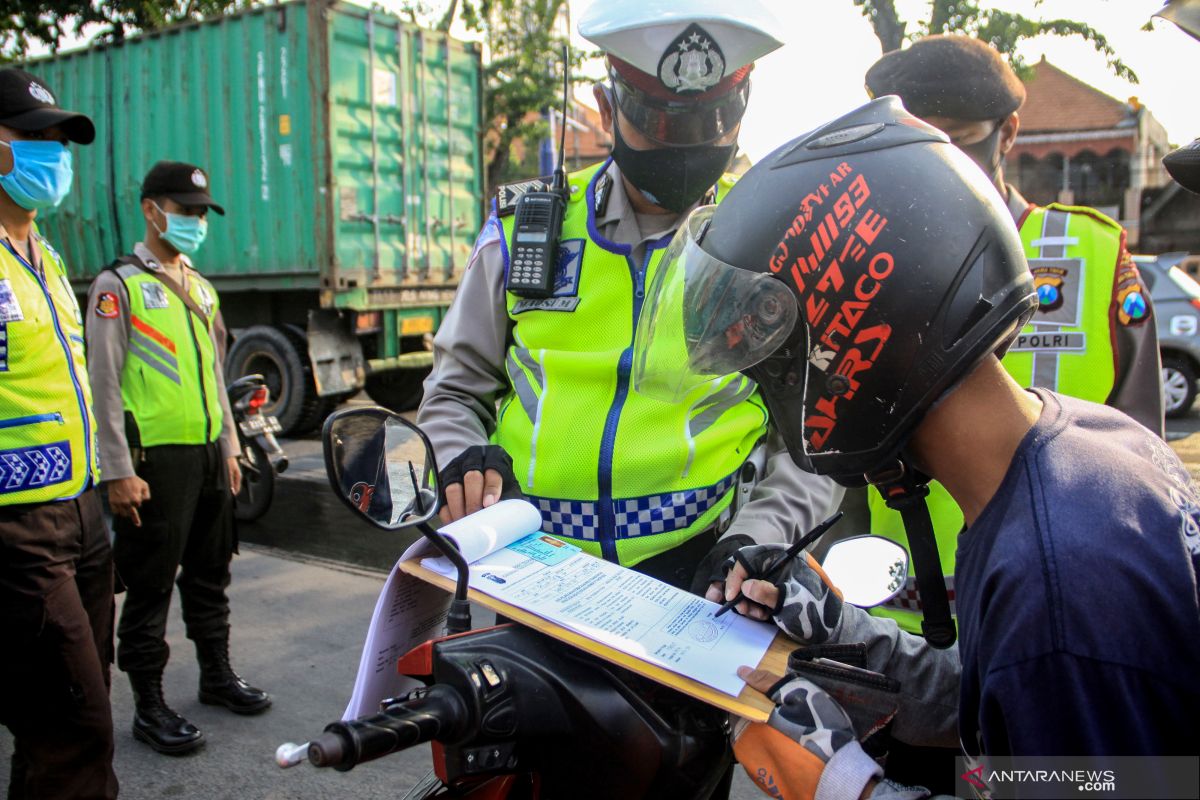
[544, 548]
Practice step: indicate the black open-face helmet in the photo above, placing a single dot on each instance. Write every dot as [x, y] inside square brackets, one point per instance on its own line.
[857, 274]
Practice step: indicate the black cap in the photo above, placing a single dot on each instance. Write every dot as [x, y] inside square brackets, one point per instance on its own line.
[186, 184]
[27, 104]
[949, 76]
[1184, 166]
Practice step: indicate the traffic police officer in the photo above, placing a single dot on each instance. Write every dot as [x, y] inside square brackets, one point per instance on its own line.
[155, 341]
[56, 579]
[536, 391]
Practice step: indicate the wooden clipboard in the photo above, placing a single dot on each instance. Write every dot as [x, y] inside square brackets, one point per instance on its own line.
[751, 704]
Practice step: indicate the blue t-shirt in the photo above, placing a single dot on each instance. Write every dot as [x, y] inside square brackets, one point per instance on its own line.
[1077, 598]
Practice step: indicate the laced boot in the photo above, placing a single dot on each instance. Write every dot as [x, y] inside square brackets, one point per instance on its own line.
[154, 722]
[221, 686]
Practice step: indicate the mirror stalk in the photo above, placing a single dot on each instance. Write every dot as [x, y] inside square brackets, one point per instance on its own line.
[458, 620]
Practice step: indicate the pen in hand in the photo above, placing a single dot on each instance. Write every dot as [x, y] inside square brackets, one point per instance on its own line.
[773, 572]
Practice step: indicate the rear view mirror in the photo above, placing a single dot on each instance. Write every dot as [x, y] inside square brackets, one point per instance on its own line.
[381, 466]
[868, 570]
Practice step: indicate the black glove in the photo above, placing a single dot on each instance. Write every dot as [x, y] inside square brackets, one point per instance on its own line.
[712, 568]
[481, 458]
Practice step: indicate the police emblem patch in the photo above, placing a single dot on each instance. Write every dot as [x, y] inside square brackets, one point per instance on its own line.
[566, 281]
[199, 180]
[154, 295]
[206, 299]
[39, 92]
[692, 63]
[107, 305]
[1132, 308]
[1049, 285]
[10, 309]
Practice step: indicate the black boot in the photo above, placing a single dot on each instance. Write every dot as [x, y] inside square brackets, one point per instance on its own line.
[221, 686]
[153, 720]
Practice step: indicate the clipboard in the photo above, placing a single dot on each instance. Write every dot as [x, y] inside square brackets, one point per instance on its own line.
[750, 703]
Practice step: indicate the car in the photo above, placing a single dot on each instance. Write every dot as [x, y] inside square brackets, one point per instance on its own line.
[1176, 298]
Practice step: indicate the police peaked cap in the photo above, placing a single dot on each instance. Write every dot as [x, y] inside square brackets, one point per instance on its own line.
[948, 76]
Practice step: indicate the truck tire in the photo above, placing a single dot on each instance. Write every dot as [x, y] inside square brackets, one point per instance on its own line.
[398, 389]
[274, 354]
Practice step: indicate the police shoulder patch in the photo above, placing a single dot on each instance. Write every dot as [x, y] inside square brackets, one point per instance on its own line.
[508, 194]
[107, 305]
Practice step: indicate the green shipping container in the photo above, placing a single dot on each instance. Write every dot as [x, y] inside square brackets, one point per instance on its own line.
[346, 147]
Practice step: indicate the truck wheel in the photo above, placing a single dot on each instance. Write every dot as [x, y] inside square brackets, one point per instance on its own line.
[398, 389]
[1179, 386]
[273, 354]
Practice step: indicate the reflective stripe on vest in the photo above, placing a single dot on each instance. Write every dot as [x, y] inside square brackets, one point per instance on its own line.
[621, 475]
[1068, 348]
[47, 432]
[169, 381]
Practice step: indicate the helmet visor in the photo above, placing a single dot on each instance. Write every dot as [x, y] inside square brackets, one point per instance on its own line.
[681, 123]
[705, 319]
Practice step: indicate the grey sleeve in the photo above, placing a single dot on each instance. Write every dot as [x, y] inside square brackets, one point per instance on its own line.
[1137, 389]
[468, 377]
[107, 342]
[929, 678]
[229, 443]
[787, 500]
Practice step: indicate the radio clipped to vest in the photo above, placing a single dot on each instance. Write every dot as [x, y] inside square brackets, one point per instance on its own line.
[537, 226]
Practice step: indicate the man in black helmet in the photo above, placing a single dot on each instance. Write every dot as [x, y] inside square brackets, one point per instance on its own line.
[869, 280]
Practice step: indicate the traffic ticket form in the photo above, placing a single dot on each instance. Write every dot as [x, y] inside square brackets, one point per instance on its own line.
[623, 609]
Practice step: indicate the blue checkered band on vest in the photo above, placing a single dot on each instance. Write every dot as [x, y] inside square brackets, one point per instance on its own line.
[635, 516]
[31, 467]
[909, 599]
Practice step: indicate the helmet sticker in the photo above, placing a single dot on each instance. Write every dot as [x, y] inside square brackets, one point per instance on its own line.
[833, 229]
[692, 63]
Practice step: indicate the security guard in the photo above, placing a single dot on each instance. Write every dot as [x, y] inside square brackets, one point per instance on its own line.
[1093, 335]
[155, 340]
[56, 578]
[536, 391]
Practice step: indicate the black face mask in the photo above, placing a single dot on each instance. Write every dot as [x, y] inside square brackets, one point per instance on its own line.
[672, 177]
[986, 152]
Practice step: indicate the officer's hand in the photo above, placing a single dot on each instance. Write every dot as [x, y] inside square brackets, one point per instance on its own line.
[802, 601]
[476, 479]
[807, 734]
[125, 495]
[235, 475]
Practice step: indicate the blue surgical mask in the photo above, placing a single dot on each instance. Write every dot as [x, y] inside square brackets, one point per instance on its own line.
[41, 174]
[184, 233]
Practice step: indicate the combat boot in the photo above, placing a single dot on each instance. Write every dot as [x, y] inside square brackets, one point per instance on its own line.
[154, 722]
[221, 686]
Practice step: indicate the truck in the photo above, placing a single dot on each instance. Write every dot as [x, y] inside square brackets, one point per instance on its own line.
[346, 147]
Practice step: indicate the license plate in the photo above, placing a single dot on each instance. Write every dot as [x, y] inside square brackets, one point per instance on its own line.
[260, 423]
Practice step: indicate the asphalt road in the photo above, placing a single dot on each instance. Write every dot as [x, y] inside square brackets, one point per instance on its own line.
[303, 590]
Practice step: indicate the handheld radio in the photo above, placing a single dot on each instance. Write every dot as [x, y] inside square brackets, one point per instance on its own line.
[537, 225]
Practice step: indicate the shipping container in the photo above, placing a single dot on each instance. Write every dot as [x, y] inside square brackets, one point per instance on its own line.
[346, 147]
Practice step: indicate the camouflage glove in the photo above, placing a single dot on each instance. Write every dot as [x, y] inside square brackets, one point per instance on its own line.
[807, 748]
[809, 608]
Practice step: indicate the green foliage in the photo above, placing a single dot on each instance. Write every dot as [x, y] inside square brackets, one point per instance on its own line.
[27, 26]
[1002, 29]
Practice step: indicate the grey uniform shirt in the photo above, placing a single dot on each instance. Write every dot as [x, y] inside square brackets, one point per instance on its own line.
[468, 378]
[1137, 386]
[107, 344]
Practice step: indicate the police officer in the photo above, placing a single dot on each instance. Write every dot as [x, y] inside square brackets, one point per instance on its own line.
[56, 580]
[155, 340]
[644, 483]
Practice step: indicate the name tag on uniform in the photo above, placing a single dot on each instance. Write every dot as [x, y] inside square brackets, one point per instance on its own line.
[10, 309]
[154, 295]
[1049, 342]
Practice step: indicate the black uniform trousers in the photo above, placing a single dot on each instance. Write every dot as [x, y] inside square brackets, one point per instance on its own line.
[187, 528]
[56, 616]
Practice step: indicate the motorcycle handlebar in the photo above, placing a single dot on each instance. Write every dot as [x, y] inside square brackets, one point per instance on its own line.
[437, 713]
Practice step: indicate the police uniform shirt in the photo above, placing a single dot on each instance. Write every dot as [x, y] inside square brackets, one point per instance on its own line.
[468, 378]
[108, 342]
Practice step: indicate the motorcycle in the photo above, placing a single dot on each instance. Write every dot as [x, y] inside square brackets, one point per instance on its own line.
[259, 454]
[511, 713]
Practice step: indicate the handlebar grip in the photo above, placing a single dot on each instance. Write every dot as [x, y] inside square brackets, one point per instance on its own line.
[437, 713]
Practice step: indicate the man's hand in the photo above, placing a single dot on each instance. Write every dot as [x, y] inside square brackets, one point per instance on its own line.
[235, 474]
[125, 495]
[476, 479]
[807, 734]
[803, 603]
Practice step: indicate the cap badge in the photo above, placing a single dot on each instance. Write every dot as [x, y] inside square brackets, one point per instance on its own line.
[692, 63]
[199, 180]
[41, 93]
